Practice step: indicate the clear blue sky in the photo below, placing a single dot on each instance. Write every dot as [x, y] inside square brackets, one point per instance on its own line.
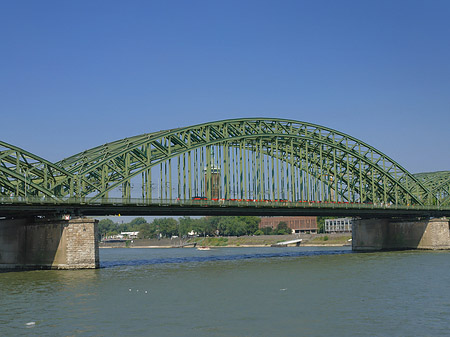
[77, 74]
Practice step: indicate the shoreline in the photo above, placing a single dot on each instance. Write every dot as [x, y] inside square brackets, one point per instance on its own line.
[308, 240]
[230, 246]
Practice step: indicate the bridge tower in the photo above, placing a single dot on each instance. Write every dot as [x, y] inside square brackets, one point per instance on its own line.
[212, 183]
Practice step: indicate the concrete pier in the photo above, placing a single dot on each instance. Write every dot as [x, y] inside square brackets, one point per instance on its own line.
[388, 234]
[48, 244]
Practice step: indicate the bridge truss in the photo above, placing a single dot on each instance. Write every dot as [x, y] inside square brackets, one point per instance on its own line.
[243, 161]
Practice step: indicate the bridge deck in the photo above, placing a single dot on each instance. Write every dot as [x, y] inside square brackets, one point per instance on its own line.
[16, 207]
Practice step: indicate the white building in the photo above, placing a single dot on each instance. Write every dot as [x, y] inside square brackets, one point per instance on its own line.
[338, 225]
[129, 235]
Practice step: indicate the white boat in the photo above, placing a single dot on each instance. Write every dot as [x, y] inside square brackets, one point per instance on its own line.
[203, 248]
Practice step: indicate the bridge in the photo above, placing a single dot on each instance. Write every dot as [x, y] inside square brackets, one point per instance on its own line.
[264, 166]
[222, 167]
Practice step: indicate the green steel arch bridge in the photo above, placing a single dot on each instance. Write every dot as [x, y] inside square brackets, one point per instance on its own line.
[243, 166]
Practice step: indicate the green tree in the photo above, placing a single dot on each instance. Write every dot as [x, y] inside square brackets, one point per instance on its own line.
[267, 230]
[147, 231]
[251, 223]
[198, 226]
[282, 228]
[228, 225]
[185, 224]
[234, 225]
[219, 223]
[238, 227]
[104, 227]
[136, 223]
[208, 225]
[167, 227]
[112, 232]
[124, 227]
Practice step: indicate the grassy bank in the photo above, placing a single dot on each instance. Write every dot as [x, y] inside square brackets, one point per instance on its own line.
[328, 240]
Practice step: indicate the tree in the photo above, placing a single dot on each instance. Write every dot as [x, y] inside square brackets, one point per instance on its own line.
[267, 230]
[104, 227]
[185, 224]
[219, 223]
[147, 231]
[234, 225]
[282, 228]
[251, 223]
[136, 223]
[206, 226]
[124, 227]
[167, 227]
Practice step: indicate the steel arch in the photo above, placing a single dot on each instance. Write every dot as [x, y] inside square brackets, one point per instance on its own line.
[438, 183]
[23, 174]
[332, 160]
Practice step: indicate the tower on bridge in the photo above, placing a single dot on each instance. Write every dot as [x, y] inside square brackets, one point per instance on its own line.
[212, 183]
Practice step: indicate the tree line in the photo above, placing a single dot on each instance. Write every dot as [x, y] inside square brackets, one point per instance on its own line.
[181, 227]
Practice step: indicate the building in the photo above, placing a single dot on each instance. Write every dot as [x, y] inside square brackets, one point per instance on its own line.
[342, 225]
[129, 235]
[298, 224]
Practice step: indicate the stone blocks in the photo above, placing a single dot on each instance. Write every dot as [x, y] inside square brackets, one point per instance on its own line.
[48, 244]
[388, 234]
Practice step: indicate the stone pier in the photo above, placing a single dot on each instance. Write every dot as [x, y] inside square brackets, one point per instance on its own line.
[389, 234]
[48, 244]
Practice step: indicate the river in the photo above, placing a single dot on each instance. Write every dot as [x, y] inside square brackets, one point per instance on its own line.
[293, 291]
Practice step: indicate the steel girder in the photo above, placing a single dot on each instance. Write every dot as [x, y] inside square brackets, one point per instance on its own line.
[438, 183]
[324, 164]
[23, 174]
[253, 159]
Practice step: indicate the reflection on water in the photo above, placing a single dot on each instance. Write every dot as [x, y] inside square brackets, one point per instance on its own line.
[234, 292]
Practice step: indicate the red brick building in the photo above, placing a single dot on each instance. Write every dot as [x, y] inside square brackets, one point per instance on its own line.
[298, 224]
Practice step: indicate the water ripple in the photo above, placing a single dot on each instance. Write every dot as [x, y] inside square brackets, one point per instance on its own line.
[189, 259]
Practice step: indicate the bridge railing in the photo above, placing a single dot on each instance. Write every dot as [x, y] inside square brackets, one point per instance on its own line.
[73, 202]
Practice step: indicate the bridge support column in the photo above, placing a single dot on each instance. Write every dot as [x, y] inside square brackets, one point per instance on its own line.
[48, 244]
[388, 234]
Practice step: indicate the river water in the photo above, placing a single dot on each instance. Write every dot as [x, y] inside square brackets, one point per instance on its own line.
[298, 291]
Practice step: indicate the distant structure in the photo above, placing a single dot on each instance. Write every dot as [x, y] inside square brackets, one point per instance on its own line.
[298, 224]
[123, 236]
[215, 182]
[128, 235]
[341, 225]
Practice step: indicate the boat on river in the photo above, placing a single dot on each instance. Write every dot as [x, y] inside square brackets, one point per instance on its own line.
[203, 248]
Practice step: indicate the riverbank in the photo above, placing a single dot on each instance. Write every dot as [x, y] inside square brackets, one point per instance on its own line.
[321, 240]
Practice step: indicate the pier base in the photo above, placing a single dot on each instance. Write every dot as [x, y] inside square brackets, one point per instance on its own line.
[388, 234]
[48, 244]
